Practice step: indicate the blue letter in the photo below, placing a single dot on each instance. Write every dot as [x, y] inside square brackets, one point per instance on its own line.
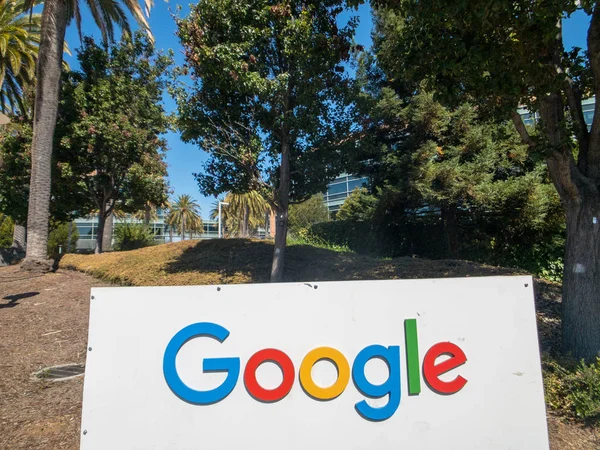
[229, 365]
[391, 356]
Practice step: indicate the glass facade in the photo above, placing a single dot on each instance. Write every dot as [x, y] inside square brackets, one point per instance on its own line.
[587, 105]
[87, 228]
[340, 188]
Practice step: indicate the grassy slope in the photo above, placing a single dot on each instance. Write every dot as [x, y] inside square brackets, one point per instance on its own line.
[232, 261]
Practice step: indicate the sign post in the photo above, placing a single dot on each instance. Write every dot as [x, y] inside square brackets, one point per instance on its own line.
[420, 364]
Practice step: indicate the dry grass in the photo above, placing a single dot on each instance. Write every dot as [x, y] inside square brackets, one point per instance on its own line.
[234, 261]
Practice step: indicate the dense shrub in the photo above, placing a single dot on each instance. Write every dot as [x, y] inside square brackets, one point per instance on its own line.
[129, 236]
[389, 240]
[6, 231]
[58, 237]
[573, 390]
[303, 236]
[479, 239]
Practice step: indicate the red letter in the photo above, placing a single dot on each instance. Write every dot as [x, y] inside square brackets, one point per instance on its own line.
[287, 368]
[431, 371]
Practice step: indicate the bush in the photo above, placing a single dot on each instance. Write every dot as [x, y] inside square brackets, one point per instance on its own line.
[58, 237]
[129, 236]
[303, 236]
[479, 239]
[421, 238]
[573, 390]
[6, 231]
[359, 206]
[305, 214]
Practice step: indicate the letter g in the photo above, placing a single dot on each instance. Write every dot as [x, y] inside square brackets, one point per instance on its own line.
[229, 365]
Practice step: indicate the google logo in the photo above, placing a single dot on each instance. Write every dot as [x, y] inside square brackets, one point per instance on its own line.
[431, 368]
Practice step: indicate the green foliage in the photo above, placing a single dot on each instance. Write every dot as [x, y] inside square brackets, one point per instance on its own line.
[423, 238]
[573, 390]
[6, 231]
[184, 214]
[268, 80]
[59, 237]
[450, 183]
[67, 200]
[358, 207]
[307, 213]
[106, 14]
[552, 270]
[498, 56]
[304, 236]
[243, 214]
[20, 35]
[110, 123]
[129, 236]
[15, 163]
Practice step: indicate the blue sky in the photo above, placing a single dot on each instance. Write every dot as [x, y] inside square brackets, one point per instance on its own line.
[185, 159]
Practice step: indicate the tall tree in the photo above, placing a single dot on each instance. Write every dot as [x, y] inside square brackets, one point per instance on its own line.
[269, 98]
[502, 56]
[185, 214]
[110, 120]
[55, 17]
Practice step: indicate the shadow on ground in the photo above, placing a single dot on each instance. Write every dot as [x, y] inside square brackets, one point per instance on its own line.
[249, 261]
[13, 299]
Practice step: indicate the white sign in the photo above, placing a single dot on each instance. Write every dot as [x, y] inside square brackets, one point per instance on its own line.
[419, 364]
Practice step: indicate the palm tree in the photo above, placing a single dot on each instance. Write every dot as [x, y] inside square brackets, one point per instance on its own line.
[244, 213]
[19, 45]
[55, 18]
[148, 214]
[185, 212]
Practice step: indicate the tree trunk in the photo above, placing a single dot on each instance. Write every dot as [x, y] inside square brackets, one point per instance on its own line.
[281, 219]
[69, 236]
[581, 200]
[100, 231]
[18, 237]
[147, 211]
[581, 279]
[267, 220]
[48, 72]
[183, 228]
[245, 222]
[108, 233]
[170, 233]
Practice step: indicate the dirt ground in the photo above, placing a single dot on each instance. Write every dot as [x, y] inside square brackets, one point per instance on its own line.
[43, 322]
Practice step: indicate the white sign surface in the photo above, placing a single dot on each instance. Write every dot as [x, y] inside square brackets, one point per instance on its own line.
[419, 364]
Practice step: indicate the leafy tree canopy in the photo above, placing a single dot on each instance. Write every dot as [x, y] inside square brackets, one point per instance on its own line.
[110, 122]
[499, 56]
[68, 199]
[269, 98]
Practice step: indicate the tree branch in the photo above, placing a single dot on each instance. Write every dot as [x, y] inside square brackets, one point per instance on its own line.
[576, 110]
[521, 129]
